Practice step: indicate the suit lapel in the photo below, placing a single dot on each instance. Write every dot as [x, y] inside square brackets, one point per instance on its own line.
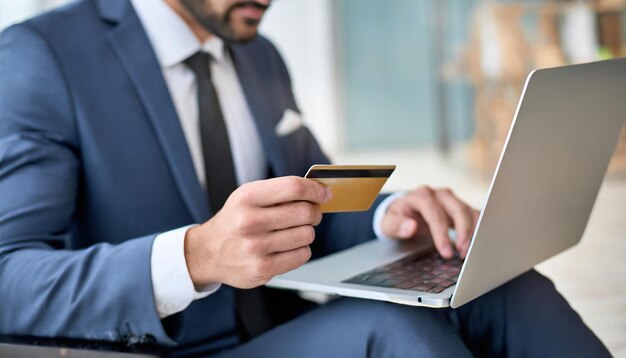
[133, 48]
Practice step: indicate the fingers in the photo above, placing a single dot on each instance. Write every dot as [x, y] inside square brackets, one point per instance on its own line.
[463, 249]
[289, 215]
[475, 216]
[288, 239]
[281, 190]
[462, 217]
[399, 226]
[262, 269]
[289, 260]
[424, 202]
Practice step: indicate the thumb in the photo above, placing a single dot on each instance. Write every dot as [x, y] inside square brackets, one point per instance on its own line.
[398, 226]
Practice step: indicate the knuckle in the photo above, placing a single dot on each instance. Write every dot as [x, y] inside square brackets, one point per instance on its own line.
[306, 254]
[457, 211]
[308, 234]
[242, 195]
[424, 191]
[246, 222]
[239, 223]
[446, 191]
[320, 191]
[306, 212]
[261, 269]
[463, 224]
[251, 246]
[296, 186]
[468, 212]
[318, 215]
[312, 212]
[461, 211]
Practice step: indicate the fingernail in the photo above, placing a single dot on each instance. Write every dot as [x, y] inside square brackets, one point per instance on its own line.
[405, 227]
[447, 252]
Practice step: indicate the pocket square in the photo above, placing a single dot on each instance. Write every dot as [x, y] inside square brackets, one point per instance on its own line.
[290, 122]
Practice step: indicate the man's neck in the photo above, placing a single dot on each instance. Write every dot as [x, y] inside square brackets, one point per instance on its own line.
[198, 30]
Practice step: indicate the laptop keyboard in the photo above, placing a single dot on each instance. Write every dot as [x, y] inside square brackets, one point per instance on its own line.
[430, 273]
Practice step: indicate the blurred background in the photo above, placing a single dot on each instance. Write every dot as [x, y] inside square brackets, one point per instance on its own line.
[432, 86]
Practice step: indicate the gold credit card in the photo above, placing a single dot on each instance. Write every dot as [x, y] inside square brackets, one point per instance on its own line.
[354, 187]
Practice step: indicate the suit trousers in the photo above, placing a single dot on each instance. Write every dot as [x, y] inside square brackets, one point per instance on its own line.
[525, 317]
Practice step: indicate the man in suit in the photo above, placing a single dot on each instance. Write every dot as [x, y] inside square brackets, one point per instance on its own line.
[136, 142]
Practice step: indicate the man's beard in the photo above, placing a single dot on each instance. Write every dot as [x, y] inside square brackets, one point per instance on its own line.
[220, 25]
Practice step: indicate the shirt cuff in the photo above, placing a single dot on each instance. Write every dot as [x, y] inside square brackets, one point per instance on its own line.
[171, 283]
[380, 213]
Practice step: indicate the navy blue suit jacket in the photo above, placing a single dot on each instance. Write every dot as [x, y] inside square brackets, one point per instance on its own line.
[94, 164]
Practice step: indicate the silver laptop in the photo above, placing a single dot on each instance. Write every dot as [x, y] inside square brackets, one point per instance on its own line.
[565, 130]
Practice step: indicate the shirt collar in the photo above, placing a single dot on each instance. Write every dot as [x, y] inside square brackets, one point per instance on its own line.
[172, 40]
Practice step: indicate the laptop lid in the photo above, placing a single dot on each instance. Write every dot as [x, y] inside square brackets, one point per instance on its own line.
[566, 127]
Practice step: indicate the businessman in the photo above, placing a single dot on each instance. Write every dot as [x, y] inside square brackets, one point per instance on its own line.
[146, 195]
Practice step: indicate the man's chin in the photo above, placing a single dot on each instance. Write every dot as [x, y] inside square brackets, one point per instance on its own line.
[243, 37]
[244, 29]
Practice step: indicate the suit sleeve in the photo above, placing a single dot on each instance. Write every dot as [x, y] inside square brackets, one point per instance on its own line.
[338, 231]
[103, 292]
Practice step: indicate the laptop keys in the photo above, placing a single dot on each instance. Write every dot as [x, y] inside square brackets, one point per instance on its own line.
[430, 273]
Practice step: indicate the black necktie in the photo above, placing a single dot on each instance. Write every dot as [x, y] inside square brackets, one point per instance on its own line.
[218, 162]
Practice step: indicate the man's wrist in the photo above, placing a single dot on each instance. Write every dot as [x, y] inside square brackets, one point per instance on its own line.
[196, 258]
[191, 250]
[380, 213]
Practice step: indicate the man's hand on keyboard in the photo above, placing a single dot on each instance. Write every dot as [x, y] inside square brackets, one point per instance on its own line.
[431, 212]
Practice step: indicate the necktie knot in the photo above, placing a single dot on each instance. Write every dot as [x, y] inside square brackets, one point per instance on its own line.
[199, 64]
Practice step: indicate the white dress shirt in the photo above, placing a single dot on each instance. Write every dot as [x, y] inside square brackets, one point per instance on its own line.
[173, 42]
